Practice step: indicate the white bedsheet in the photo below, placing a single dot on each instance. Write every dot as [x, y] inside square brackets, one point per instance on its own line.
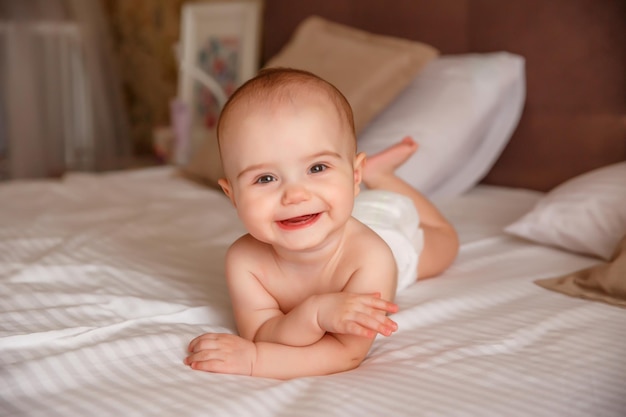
[105, 279]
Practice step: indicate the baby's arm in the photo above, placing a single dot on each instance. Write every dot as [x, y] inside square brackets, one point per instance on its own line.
[259, 317]
[231, 354]
[346, 313]
[254, 306]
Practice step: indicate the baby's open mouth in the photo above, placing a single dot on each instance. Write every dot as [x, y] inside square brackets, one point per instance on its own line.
[299, 221]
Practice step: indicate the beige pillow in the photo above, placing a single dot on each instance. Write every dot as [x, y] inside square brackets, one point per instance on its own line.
[369, 69]
[604, 282]
[205, 166]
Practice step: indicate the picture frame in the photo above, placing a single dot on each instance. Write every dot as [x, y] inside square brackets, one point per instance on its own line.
[219, 50]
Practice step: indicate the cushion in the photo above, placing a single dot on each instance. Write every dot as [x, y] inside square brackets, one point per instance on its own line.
[369, 69]
[605, 282]
[204, 165]
[586, 214]
[462, 110]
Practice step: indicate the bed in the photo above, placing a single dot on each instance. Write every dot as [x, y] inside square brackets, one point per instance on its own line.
[105, 278]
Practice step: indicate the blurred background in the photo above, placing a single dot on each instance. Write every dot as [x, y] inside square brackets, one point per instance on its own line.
[84, 84]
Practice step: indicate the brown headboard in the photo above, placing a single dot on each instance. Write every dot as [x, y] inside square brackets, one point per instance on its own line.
[575, 114]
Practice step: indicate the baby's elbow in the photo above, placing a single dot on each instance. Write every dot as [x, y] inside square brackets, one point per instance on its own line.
[347, 363]
[351, 356]
[354, 362]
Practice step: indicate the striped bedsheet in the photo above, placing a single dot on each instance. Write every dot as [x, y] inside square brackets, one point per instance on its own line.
[104, 279]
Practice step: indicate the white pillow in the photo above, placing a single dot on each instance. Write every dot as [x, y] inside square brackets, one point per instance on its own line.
[586, 214]
[462, 110]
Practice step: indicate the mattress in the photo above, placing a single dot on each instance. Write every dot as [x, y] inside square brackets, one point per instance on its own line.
[104, 280]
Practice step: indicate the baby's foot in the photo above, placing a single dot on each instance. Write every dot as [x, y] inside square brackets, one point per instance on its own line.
[386, 162]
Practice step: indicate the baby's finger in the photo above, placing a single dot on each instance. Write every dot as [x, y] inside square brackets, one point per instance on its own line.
[356, 329]
[204, 363]
[384, 325]
[193, 344]
[203, 355]
[390, 324]
[380, 304]
[387, 327]
[213, 365]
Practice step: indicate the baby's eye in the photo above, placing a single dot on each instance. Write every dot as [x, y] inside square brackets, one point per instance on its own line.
[317, 168]
[264, 179]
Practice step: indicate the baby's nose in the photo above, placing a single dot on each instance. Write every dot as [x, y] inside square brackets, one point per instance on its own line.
[295, 194]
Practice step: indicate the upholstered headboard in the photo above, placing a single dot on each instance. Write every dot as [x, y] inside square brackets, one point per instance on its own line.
[575, 114]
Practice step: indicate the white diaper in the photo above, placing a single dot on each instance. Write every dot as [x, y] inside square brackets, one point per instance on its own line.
[394, 218]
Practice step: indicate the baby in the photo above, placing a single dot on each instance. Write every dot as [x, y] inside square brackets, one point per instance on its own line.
[311, 286]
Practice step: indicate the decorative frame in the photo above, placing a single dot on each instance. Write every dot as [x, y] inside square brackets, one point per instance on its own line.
[219, 50]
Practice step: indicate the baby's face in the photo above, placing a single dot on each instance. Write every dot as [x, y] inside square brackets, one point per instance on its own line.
[291, 170]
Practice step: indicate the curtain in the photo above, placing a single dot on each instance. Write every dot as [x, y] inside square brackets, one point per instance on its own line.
[61, 104]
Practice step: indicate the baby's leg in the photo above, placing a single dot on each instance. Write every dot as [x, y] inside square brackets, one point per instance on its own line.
[379, 169]
[440, 239]
[379, 174]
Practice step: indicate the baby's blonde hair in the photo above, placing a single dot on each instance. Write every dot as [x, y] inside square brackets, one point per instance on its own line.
[277, 84]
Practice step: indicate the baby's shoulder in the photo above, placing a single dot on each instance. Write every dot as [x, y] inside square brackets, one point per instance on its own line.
[372, 261]
[246, 247]
[364, 240]
[362, 233]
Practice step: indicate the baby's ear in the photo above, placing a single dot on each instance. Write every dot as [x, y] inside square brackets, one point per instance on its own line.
[359, 162]
[223, 182]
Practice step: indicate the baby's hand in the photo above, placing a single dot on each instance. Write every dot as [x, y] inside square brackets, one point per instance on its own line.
[223, 353]
[356, 314]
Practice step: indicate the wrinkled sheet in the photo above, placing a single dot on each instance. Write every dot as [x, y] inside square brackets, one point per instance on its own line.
[104, 279]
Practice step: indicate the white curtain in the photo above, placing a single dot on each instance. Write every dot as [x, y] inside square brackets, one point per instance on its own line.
[61, 105]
